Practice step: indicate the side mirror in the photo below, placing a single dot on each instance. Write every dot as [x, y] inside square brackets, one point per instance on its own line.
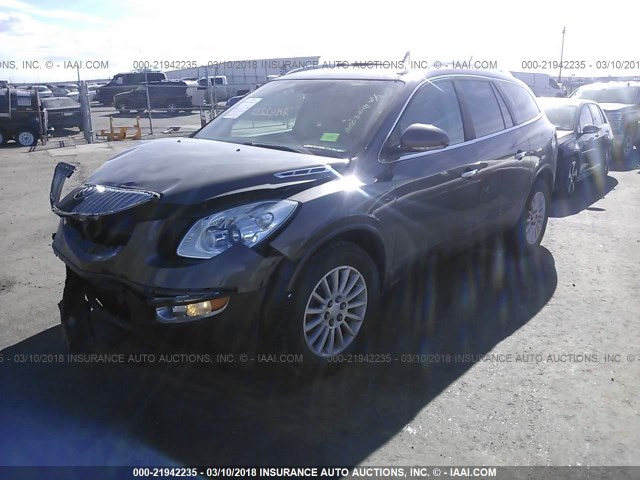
[590, 129]
[420, 137]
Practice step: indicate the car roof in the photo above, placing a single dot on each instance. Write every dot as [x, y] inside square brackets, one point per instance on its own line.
[605, 85]
[171, 83]
[379, 72]
[576, 102]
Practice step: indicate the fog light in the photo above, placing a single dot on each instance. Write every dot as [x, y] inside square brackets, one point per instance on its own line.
[203, 308]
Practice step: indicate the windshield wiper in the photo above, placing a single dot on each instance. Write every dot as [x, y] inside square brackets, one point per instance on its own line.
[277, 146]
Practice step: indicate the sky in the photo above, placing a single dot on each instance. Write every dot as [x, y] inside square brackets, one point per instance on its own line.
[121, 32]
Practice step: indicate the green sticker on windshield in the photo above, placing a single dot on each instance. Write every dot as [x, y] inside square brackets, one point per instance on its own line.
[329, 137]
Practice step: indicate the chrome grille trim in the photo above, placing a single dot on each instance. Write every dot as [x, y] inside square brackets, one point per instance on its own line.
[100, 200]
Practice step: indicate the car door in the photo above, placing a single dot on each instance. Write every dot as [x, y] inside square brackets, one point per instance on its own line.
[434, 194]
[602, 144]
[586, 142]
[500, 148]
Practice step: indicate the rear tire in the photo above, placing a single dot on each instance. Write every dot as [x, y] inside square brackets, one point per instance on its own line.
[330, 310]
[625, 149]
[526, 235]
[3, 138]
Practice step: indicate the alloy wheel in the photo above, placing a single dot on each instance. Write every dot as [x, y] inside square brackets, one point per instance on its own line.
[335, 311]
[535, 218]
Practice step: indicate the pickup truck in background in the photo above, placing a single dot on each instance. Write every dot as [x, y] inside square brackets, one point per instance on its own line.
[219, 87]
[621, 103]
[125, 82]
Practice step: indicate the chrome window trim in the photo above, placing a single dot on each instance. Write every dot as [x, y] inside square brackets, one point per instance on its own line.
[410, 156]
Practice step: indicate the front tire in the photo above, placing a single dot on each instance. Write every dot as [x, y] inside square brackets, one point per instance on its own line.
[526, 235]
[331, 307]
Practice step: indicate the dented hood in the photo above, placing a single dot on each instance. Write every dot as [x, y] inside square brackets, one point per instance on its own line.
[187, 171]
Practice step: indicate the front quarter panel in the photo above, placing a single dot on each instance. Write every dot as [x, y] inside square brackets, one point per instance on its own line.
[327, 211]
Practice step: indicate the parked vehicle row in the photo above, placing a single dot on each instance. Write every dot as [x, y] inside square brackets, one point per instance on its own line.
[585, 141]
[290, 215]
[198, 91]
[621, 103]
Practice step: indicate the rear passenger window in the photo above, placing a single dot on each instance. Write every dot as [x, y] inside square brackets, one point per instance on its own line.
[597, 115]
[508, 121]
[434, 104]
[481, 103]
[523, 106]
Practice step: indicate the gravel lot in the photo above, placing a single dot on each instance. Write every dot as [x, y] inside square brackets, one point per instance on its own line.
[544, 395]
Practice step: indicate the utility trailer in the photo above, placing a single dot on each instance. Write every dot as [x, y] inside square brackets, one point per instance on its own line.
[21, 116]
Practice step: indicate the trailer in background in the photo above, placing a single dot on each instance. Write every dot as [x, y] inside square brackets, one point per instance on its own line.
[21, 116]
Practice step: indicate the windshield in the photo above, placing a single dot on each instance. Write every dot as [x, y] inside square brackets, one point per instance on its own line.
[333, 118]
[562, 116]
[624, 94]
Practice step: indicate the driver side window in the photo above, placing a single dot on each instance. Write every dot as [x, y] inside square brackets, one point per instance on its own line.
[434, 104]
[585, 118]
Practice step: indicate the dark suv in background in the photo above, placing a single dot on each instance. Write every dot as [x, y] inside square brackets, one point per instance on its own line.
[287, 216]
[125, 82]
[169, 95]
[621, 103]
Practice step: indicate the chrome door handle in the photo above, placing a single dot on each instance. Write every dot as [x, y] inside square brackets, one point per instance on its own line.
[470, 173]
[520, 155]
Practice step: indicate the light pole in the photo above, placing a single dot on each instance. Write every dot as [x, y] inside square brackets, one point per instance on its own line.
[146, 81]
[564, 30]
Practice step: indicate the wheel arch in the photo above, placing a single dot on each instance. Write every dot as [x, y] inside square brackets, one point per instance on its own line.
[365, 236]
[547, 175]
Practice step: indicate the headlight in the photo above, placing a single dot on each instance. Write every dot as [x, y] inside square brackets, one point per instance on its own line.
[248, 225]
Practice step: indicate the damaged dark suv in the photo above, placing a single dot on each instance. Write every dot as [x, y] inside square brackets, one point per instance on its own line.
[285, 218]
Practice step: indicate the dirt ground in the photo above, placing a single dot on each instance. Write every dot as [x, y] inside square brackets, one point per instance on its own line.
[497, 360]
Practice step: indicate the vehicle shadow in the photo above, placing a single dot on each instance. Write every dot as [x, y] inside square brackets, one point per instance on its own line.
[157, 413]
[587, 193]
